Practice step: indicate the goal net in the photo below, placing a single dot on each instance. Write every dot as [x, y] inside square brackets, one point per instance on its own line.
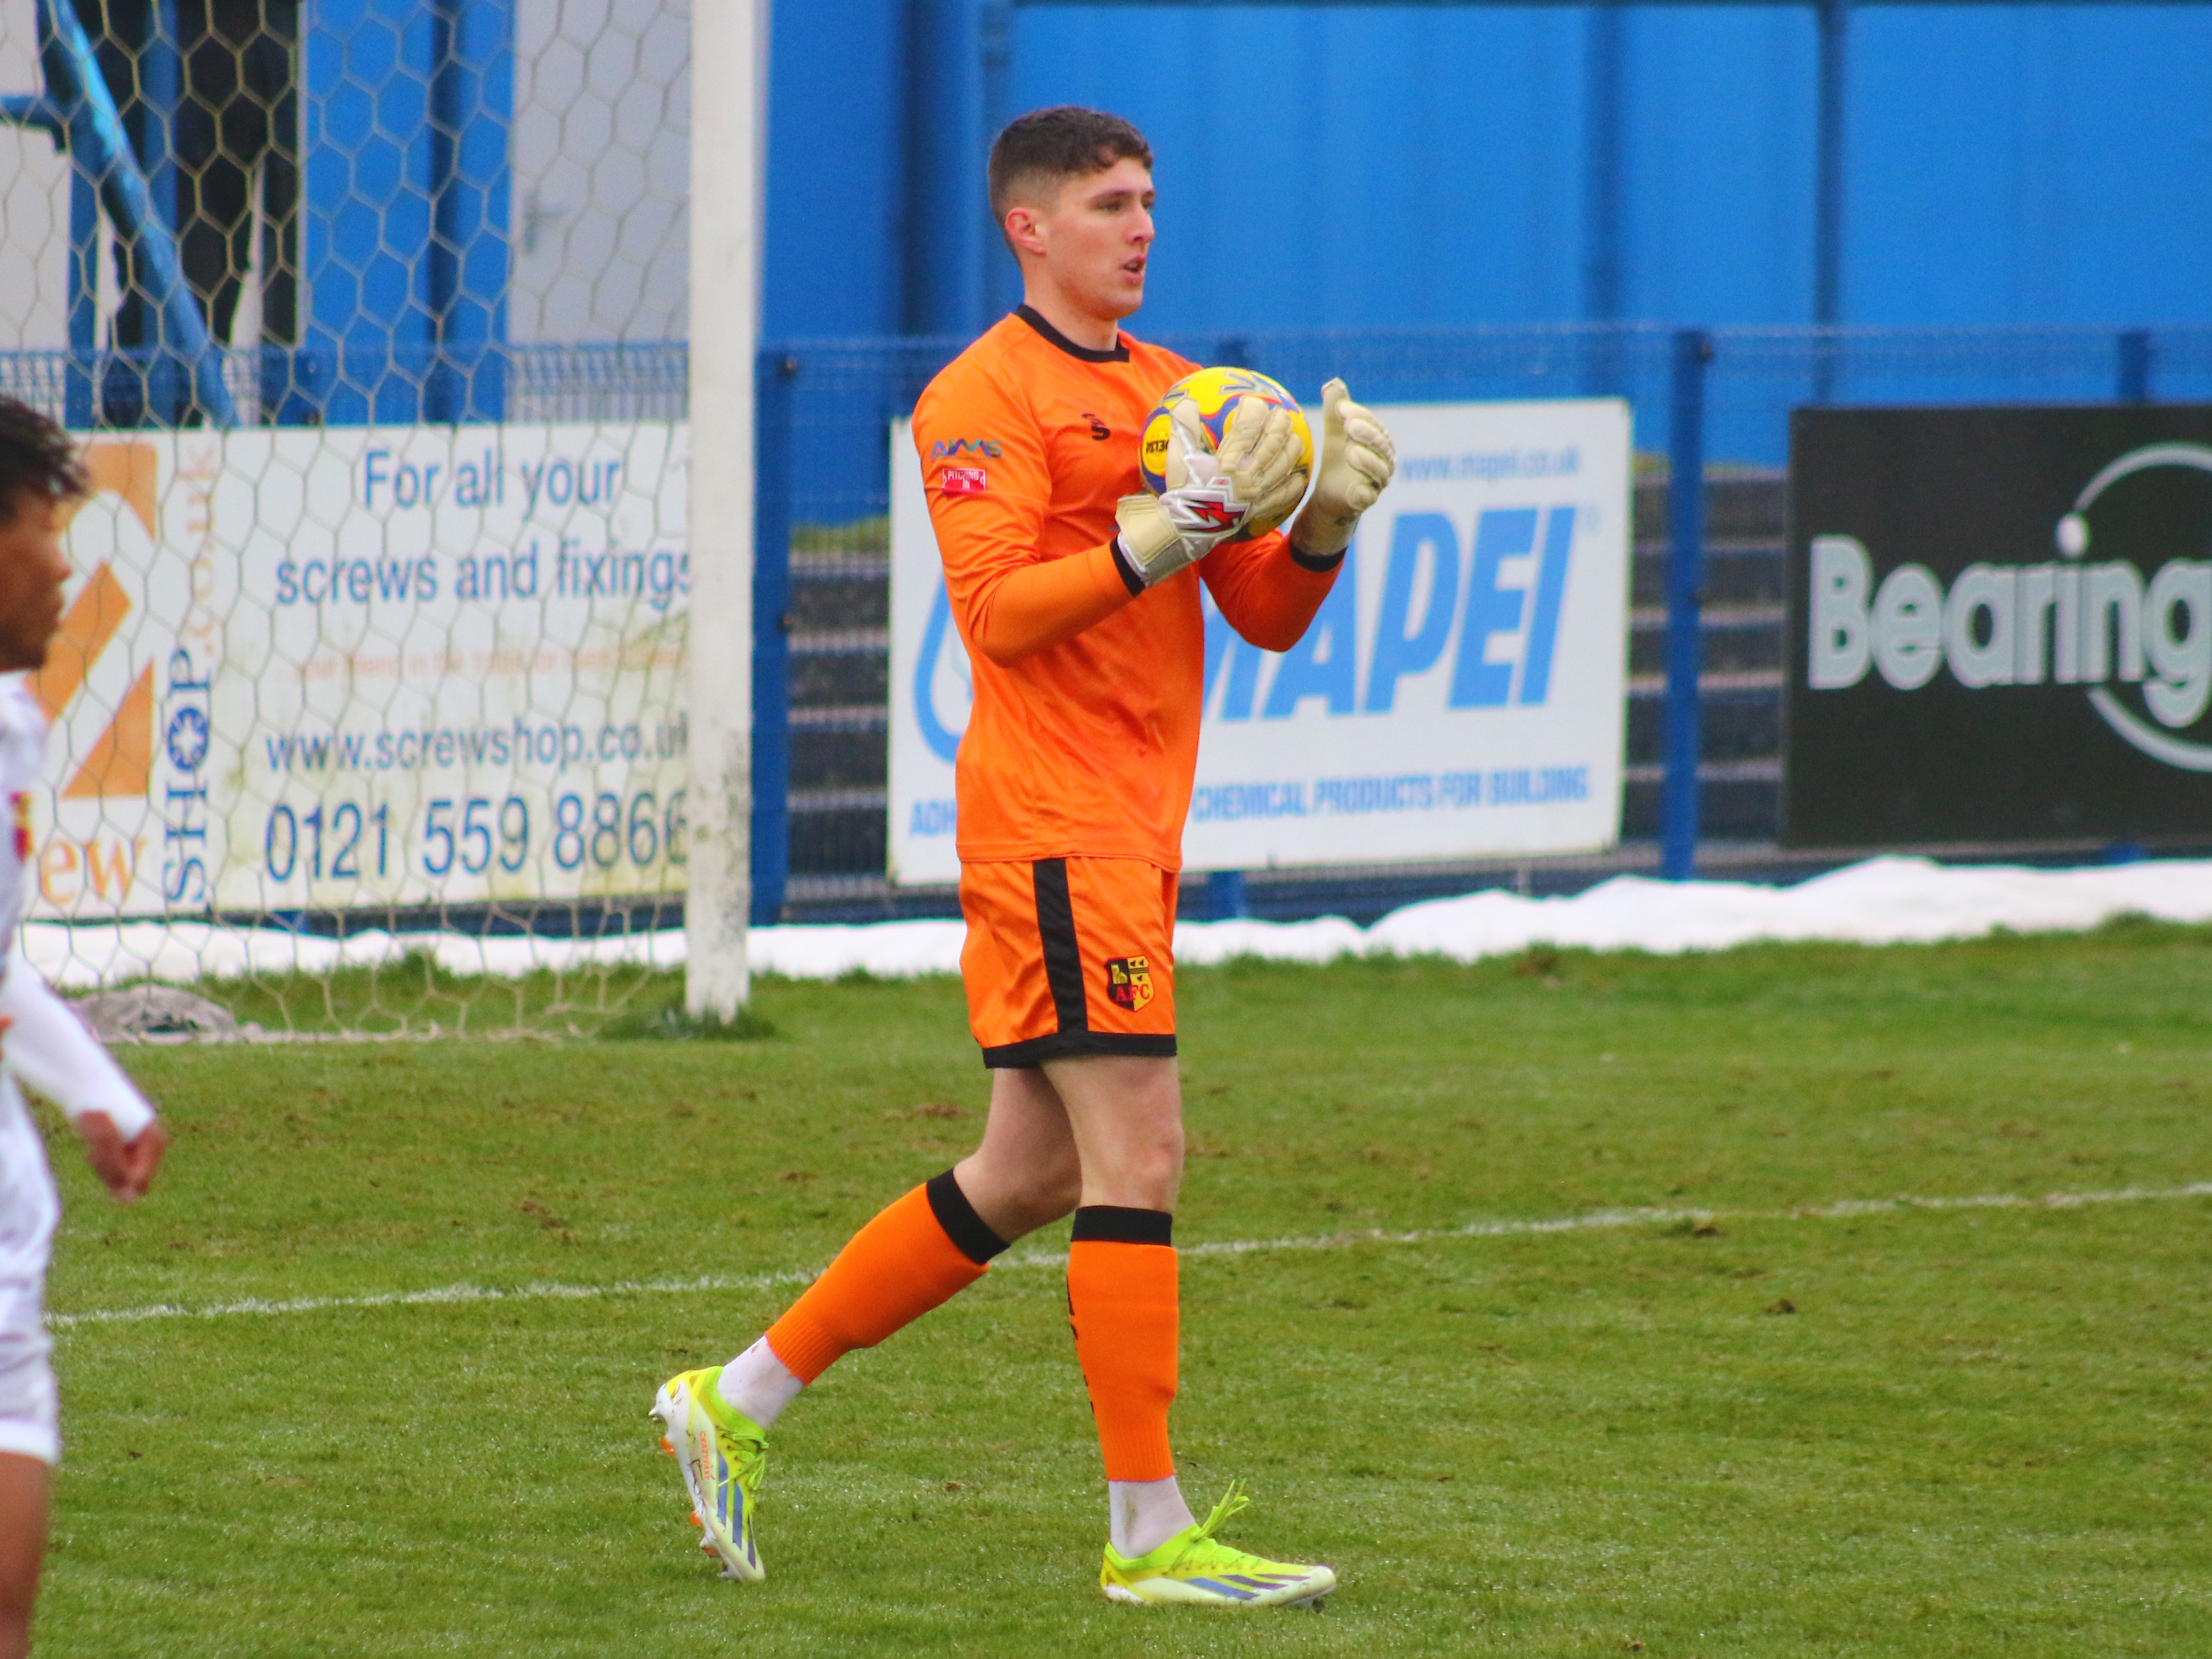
[369, 707]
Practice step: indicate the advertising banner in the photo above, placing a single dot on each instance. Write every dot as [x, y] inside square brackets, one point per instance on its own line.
[1458, 695]
[1999, 624]
[369, 666]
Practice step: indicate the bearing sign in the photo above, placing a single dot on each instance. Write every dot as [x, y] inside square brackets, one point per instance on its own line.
[2000, 625]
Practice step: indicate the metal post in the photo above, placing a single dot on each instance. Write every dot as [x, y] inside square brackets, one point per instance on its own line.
[439, 270]
[1685, 560]
[1832, 18]
[1605, 266]
[729, 55]
[1001, 287]
[165, 400]
[2135, 366]
[1225, 897]
[472, 105]
[946, 234]
[78, 412]
[778, 382]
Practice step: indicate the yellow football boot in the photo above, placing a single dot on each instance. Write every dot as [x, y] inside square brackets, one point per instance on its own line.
[724, 1456]
[1196, 1568]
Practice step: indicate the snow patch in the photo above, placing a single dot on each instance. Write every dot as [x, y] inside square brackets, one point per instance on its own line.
[1883, 901]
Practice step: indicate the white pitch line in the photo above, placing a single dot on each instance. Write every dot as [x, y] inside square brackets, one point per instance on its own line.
[442, 1295]
[1595, 1220]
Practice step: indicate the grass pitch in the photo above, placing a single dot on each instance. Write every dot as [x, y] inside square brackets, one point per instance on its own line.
[1741, 1430]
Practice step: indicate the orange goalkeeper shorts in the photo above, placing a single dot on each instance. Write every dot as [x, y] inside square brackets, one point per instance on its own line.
[1069, 957]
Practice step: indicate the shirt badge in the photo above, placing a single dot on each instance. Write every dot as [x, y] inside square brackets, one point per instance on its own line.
[962, 481]
[1128, 981]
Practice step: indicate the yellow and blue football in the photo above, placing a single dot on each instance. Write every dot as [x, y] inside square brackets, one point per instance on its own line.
[1213, 395]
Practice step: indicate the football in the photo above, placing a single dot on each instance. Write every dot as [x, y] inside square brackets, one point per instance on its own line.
[1213, 395]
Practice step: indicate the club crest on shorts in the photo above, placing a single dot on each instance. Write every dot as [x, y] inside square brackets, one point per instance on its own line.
[1128, 981]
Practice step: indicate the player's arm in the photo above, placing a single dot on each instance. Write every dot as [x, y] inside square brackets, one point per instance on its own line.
[988, 511]
[1036, 606]
[45, 1043]
[1268, 592]
[1270, 588]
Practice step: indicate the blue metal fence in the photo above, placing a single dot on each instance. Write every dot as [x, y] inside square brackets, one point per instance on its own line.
[1705, 736]
[1705, 650]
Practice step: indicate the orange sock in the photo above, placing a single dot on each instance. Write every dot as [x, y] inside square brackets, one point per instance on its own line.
[921, 1250]
[1122, 1303]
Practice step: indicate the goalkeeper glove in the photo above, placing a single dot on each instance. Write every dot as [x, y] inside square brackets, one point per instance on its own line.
[1263, 456]
[1249, 486]
[1357, 460]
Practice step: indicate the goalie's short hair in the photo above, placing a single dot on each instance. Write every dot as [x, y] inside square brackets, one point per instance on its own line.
[37, 459]
[1049, 147]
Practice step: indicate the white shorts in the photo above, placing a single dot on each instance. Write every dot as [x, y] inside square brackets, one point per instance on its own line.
[29, 1424]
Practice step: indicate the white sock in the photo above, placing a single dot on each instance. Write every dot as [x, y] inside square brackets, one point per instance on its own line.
[1143, 1515]
[759, 1384]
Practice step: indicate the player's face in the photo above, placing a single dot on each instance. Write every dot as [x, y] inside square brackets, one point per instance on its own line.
[1097, 238]
[32, 569]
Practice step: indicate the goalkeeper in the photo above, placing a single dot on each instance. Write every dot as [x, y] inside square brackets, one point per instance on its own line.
[1077, 596]
[41, 1040]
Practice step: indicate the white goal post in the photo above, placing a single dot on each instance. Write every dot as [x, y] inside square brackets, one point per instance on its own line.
[729, 63]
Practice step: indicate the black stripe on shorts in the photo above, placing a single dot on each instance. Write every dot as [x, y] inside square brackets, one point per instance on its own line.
[1063, 961]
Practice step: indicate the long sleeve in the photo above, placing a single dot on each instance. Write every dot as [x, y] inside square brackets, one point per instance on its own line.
[1267, 593]
[1016, 613]
[988, 501]
[49, 1047]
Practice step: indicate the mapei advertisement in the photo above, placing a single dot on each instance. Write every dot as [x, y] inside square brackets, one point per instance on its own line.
[2000, 625]
[369, 666]
[1458, 695]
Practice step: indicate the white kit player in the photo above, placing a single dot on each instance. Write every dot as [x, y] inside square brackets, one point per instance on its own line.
[41, 1041]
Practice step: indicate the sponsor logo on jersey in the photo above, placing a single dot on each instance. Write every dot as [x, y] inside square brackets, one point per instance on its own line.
[1129, 981]
[1100, 432]
[945, 448]
[20, 803]
[964, 481]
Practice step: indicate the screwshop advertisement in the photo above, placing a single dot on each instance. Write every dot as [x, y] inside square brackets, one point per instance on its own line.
[369, 666]
[2000, 625]
[1459, 694]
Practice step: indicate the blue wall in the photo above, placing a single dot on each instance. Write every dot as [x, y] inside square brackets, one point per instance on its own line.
[2006, 165]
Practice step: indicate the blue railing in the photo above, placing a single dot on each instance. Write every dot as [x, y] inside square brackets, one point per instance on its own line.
[1704, 740]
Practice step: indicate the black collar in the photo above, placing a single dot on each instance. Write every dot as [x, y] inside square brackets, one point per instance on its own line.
[1028, 313]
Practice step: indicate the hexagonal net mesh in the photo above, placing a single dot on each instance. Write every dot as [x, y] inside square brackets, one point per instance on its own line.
[366, 709]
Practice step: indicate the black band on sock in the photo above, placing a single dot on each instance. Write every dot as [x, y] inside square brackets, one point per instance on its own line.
[1111, 1224]
[966, 1230]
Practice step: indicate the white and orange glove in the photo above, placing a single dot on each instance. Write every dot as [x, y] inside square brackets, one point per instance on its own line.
[1250, 484]
[1356, 461]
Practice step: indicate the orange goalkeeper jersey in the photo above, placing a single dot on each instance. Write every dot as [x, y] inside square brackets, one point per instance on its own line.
[1083, 738]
